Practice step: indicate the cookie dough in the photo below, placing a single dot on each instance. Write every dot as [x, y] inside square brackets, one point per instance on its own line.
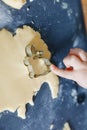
[16, 87]
[15, 3]
[66, 126]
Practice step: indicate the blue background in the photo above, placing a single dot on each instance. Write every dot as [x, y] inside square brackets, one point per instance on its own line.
[61, 28]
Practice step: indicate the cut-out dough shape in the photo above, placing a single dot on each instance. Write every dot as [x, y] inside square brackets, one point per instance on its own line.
[16, 88]
[15, 3]
[66, 126]
[37, 58]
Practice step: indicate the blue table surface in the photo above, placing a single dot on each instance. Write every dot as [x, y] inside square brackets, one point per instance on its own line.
[61, 25]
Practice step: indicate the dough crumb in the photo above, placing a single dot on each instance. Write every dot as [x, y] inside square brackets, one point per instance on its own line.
[66, 126]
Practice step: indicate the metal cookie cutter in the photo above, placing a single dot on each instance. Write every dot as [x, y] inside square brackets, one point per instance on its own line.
[36, 64]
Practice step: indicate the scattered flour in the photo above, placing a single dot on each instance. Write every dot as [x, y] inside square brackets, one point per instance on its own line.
[74, 95]
[0, 116]
[5, 16]
[69, 12]
[76, 42]
[60, 65]
[64, 5]
[28, 9]
[56, 1]
[31, 0]
[51, 126]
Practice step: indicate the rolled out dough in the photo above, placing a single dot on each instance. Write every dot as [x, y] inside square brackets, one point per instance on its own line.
[16, 88]
[15, 3]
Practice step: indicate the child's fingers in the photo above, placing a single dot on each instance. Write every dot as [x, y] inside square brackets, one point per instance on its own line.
[79, 52]
[62, 73]
[73, 61]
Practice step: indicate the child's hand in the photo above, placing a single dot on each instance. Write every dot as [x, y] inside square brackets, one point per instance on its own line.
[76, 67]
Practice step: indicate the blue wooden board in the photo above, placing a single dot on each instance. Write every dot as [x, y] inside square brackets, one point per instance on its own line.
[61, 25]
